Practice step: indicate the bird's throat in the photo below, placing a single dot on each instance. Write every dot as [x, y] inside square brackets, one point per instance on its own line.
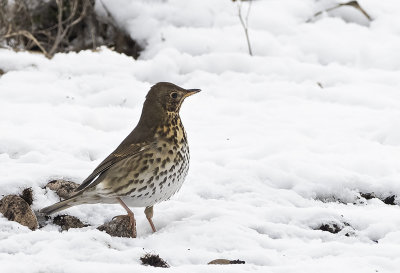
[160, 123]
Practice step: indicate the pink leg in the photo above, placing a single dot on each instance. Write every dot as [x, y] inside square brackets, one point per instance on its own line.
[149, 215]
[131, 216]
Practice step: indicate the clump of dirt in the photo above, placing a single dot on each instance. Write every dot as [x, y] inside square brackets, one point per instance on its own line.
[153, 260]
[336, 227]
[225, 261]
[63, 188]
[51, 26]
[15, 208]
[237, 262]
[388, 200]
[119, 226]
[67, 221]
[330, 227]
[367, 195]
[27, 195]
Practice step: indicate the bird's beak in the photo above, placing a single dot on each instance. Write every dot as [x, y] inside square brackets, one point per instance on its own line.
[190, 92]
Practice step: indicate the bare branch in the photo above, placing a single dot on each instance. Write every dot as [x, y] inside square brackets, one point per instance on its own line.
[59, 27]
[245, 25]
[51, 26]
[353, 4]
[60, 36]
[356, 5]
[28, 35]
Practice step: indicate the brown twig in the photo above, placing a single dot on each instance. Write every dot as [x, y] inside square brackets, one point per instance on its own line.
[353, 4]
[28, 35]
[61, 34]
[245, 24]
[59, 27]
[52, 26]
[356, 5]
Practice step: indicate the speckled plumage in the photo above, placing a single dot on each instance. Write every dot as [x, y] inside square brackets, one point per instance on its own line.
[156, 174]
[150, 164]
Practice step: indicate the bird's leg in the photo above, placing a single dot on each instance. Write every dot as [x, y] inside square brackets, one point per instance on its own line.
[149, 215]
[131, 217]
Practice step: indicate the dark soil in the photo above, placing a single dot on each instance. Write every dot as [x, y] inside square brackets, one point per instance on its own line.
[67, 221]
[237, 262]
[63, 188]
[35, 26]
[225, 262]
[367, 195]
[331, 227]
[119, 226]
[14, 208]
[390, 200]
[27, 195]
[153, 260]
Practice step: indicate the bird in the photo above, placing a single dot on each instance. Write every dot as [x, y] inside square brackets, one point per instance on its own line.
[148, 167]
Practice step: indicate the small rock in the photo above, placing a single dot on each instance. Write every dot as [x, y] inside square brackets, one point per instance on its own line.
[1, 72]
[119, 226]
[153, 260]
[63, 188]
[225, 261]
[14, 208]
[67, 221]
[27, 195]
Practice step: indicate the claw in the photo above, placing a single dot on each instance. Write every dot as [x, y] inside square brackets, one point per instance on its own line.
[132, 221]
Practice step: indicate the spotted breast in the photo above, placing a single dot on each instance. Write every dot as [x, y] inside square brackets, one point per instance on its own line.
[155, 175]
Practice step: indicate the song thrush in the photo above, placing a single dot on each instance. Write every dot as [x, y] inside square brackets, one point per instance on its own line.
[150, 164]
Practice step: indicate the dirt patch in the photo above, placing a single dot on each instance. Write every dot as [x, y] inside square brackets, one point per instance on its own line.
[63, 188]
[153, 260]
[67, 221]
[27, 195]
[119, 226]
[14, 208]
[237, 262]
[225, 261]
[389, 200]
[331, 227]
[51, 26]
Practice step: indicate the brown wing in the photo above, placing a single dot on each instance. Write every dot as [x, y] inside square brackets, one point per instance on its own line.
[122, 152]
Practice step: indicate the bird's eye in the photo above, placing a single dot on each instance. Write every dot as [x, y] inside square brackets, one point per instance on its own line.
[174, 95]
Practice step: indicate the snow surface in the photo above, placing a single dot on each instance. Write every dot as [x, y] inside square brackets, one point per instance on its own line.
[273, 155]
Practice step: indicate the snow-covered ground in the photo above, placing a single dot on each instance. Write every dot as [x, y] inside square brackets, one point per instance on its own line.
[281, 142]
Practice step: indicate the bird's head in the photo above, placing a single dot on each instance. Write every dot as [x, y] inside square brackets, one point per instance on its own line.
[169, 96]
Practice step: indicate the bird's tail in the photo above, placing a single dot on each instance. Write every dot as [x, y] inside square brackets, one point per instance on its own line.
[58, 206]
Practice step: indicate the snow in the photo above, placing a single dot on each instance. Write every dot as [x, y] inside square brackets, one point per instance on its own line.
[273, 154]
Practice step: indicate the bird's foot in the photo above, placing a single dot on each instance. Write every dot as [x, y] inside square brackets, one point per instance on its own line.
[132, 222]
[119, 217]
